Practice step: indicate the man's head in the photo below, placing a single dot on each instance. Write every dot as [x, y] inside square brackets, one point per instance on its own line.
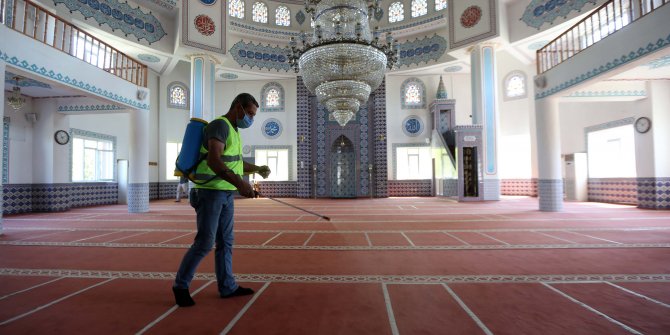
[242, 110]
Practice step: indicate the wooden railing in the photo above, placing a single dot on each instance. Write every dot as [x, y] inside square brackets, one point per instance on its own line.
[608, 18]
[36, 22]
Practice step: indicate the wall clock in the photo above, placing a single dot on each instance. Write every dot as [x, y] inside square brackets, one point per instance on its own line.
[61, 137]
[642, 125]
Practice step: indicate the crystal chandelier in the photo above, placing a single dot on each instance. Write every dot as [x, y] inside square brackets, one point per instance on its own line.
[344, 62]
[15, 99]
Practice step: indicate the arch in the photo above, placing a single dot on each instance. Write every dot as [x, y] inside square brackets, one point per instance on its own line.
[259, 12]
[413, 94]
[515, 85]
[272, 97]
[178, 95]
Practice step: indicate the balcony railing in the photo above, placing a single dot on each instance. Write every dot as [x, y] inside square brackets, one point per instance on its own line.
[608, 18]
[36, 22]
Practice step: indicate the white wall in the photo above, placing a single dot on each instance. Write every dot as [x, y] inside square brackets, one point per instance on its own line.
[20, 143]
[171, 121]
[660, 129]
[458, 88]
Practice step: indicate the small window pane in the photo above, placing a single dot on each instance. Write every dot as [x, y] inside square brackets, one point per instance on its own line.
[412, 94]
[260, 12]
[440, 4]
[272, 99]
[283, 16]
[178, 96]
[515, 86]
[236, 8]
[419, 8]
[396, 12]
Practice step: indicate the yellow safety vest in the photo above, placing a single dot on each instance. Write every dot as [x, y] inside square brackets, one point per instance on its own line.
[231, 156]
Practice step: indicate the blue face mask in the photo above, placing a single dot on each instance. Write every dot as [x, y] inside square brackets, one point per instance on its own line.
[246, 121]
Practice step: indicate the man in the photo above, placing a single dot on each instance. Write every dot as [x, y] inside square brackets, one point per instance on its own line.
[182, 188]
[213, 200]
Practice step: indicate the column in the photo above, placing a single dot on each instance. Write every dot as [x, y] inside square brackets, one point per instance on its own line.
[2, 115]
[138, 163]
[203, 71]
[43, 140]
[550, 177]
[485, 112]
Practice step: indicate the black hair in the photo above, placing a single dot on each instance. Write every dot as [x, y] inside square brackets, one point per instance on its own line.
[245, 99]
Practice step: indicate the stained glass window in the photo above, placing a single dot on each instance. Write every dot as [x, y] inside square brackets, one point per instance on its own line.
[283, 16]
[178, 95]
[236, 8]
[396, 12]
[272, 98]
[259, 12]
[412, 94]
[419, 7]
[515, 85]
[440, 4]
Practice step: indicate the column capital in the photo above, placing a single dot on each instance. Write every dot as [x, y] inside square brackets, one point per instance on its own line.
[207, 56]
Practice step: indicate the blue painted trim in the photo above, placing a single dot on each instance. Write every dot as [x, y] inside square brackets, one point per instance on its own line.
[612, 64]
[600, 94]
[5, 149]
[44, 72]
[89, 108]
[197, 88]
[24, 82]
[489, 109]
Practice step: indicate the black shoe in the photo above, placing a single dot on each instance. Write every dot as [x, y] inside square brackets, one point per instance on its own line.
[182, 297]
[240, 291]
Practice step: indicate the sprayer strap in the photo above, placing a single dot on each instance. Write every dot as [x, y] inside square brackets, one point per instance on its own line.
[231, 158]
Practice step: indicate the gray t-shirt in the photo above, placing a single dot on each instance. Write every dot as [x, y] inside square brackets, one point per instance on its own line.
[217, 129]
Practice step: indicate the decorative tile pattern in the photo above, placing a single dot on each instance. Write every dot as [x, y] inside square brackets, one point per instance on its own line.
[518, 187]
[409, 188]
[304, 140]
[138, 197]
[119, 15]
[611, 93]
[300, 17]
[167, 190]
[23, 82]
[364, 150]
[228, 75]
[653, 193]
[43, 71]
[167, 4]
[271, 128]
[26, 198]
[455, 68]
[422, 92]
[412, 24]
[89, 108]
[655, 64]
[5, 150]
[539, 12]
[471, 16]
[264, 31]
[264, 97]
[613, 63]
[271, 58]
[92, 194]
[283, 189]
[412, 126]
[421, 51]
[379, 140]
[613, 190]
[551, 194]
[450, 187]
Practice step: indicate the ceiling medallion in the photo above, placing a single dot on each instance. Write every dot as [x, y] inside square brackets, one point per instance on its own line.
[204, 24]
[344, 61]
[471, 16]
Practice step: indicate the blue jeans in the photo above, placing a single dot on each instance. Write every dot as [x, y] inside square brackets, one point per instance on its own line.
[214, 210]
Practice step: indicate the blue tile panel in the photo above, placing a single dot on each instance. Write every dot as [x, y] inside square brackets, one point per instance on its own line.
[379, 142]
[551, 194]
[409, 188]
[421, 50]
[5, 149]
[283, 189]
[613, 190]
[26, 198]
[138, 197]
[261, 56]
[539, 12]
[653, 193]
[518, 187]
[304, 140]
[119, 15]
[450, 187]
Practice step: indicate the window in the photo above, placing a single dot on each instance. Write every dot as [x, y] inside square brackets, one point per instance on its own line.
[396, 12]
[283, 16]
[236, 8]
[413, 162]
[419, 8]
[92, 159]
[178, 95]
[171, 152]
[413, 94]
[515, 85]
[272, 95]
[259, 12]
[277, 160]
[611, 153]
[440, 4]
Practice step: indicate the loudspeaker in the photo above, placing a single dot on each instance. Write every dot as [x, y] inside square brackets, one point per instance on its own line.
[31, 117]
[540, 81]
[141, 94]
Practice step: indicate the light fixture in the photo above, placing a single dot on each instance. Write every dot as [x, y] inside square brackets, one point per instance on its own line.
[15, 99]
[344, 62]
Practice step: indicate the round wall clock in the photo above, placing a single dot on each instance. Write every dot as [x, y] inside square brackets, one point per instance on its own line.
[61, 137]
[642, 125]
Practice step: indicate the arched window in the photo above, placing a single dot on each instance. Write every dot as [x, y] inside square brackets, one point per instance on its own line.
[413, 94]
[236, 8]
[259, 12]
[419, 8]
[515, 85]
[440, 4]
[178, 95]
[283, 16]
[396, 12]
[272, 97]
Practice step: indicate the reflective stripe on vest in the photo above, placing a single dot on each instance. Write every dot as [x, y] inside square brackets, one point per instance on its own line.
[231, 157]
